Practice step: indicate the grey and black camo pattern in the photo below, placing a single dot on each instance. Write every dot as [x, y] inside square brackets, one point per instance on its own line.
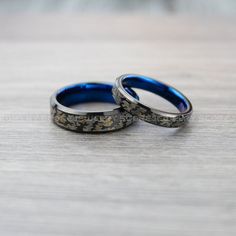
[93, 123]
[147, 114]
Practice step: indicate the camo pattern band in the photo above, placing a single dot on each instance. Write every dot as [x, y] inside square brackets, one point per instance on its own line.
[145, 113]
[89, 122]
[92, 123]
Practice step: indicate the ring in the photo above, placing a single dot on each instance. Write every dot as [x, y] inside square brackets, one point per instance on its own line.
[88, 121]
[151, 115]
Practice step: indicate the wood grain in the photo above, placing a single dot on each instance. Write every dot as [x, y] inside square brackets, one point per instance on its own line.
[143, 180]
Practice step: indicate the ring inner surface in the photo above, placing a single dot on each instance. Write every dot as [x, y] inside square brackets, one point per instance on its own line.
[87, 92]
[166, 92]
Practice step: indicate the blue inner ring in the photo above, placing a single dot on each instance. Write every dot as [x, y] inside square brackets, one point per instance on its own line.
[163, 90]
[87, 92]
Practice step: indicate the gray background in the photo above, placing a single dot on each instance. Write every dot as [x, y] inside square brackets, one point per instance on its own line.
[141, 181]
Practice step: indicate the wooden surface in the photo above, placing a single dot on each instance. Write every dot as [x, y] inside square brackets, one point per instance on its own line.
[143, 180]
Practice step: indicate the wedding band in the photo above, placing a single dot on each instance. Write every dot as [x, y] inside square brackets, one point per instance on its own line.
[88, 121]
[146, 113]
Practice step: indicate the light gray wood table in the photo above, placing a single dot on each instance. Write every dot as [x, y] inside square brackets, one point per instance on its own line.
[144, 180]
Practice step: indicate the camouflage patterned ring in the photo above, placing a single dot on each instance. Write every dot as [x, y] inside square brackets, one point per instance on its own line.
[146, 113]
[87, 121]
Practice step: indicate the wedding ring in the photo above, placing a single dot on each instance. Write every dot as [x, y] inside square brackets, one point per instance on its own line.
[146, 113]
[88, 121]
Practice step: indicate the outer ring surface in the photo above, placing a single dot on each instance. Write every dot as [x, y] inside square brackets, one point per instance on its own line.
[89, 122]
[149, 114]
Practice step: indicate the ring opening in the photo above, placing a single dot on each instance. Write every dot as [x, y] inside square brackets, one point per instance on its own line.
[87, 92]
[151, 85]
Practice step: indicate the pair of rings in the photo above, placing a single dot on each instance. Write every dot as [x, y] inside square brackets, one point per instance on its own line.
[121, 93]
